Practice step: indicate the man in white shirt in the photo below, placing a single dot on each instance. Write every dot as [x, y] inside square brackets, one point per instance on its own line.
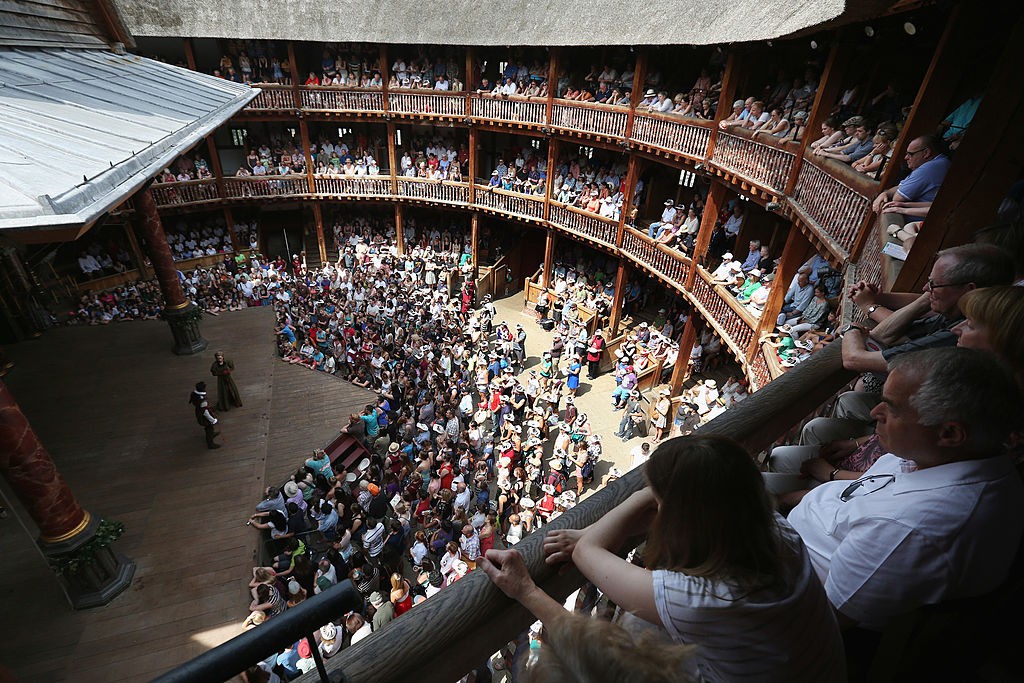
[668, 214]
[941, 516]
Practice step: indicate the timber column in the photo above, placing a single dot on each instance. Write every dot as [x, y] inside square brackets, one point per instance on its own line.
[76, 543]
[181, 314]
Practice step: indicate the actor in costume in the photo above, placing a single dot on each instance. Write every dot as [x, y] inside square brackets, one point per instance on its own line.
[227, 390]
[204, 417]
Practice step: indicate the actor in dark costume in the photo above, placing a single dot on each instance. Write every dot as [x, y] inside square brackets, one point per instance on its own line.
[227, 390]
[204, 417]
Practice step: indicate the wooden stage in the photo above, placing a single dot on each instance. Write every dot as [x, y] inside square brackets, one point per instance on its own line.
[109, 403]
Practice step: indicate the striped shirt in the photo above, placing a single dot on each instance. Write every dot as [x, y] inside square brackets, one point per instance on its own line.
[373, 540]
[789, 635]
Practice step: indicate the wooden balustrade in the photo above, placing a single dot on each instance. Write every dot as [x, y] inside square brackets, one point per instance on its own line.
[760, 369]
[433, 190]
[514, 203]
[585, 224]
[602, 119]
[437, 104]
[327, 98]
[688, 137]
[377, 186]
[512, 109]
[272, 97]
[833, 202]
[759, 163]
[185, 192]
[668, 264]
[265, 186]
[735, 330]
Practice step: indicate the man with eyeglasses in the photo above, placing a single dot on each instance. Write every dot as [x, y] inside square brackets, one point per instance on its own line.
[858, 148]
[914, 195]
[940, 516]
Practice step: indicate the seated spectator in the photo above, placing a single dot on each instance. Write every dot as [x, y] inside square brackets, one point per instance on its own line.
[734, 116]
[954, 126]
[753, 256]
[757, 119]
[831, 134]
[880, 154]
[777, 125]
[795, 131]
[913, 196]
[859, 147]
[892, 541]
[994, 321]
[710, 577]
[798, 296]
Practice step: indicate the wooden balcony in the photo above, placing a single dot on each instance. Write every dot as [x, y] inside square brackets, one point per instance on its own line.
[272, 97]
[673, 134]
[604, 120]
[443, 192]
[185, 192]
[514, 109]
[735, 325]
[439, 104]
[668, 264]
[363, 186]
[759, 162]
[513, 204]
[587, 225]
[833, 200]
[761, 369]
[337, 99]
[266, 186]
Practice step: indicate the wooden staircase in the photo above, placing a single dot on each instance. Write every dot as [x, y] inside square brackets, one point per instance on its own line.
[345, 451]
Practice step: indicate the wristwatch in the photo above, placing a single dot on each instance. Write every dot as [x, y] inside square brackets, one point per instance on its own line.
[872, 308]
[832, 475]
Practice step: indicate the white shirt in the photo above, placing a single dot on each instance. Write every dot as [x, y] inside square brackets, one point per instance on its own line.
[767, 635]
[936, 534]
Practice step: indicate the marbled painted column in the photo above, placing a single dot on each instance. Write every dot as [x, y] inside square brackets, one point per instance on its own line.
[30, 471]
[181, 314]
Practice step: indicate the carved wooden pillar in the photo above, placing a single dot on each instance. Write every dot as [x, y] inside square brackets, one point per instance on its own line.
[620, 291]
[681, 370]
[716, 199]
[549, 256]
[181, 314]
[95, 576]
[399, 230]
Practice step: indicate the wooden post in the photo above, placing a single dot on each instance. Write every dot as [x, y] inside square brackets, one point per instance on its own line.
[392, 158]
[384, 66]
[474, 237]
[133, 242]
[627, 198]
[190, 55]
[321, 244]
[549, 256]
[469, 80]
[399, 233]
[615, 317]
[681, 371]
[986, 164]
[552, 84]
[218, 172]
[828, 92]
[793, 256]
[730, 83]
[550, 185]
[293, 69]
[310, 159]
[639, 76]
[716, 198]
[472, 164]
[229, 221]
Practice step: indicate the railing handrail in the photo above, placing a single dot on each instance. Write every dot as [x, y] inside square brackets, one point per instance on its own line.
[769, 142]
[677, 118]
[475, 619]
[184, 183]
[844, 175]
[600, 106]
[483, 187]
[339, 88]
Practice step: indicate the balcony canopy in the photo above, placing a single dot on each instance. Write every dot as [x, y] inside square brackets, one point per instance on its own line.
[81, 130]
[464, 22]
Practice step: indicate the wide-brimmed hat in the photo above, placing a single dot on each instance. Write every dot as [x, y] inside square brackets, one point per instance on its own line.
[555, 465]
[291, 489]
[710, 383]
[526, 502]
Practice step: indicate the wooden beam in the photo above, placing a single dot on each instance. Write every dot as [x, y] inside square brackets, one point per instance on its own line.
[632, 173]
[474, 237]
[639, 76]
[793, 256]
[399, 233]
[549, 185]
[615, 316]
[552, 83]
[712, 207]
[549, 256]
[987, 162]
[318, 220]
[472, 164]
[190, 55]
[293, 70]
[392, 158]
[730, 83]
[681, 370]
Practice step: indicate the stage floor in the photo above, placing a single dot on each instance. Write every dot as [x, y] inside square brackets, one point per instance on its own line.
[110, 404]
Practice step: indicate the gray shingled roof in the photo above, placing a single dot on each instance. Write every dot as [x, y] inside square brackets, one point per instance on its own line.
[81, 130]
[480, 22]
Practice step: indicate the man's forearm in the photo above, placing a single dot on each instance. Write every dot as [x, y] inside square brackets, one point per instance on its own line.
[896, 325]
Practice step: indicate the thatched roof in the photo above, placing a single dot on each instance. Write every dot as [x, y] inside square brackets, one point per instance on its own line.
[480, 22]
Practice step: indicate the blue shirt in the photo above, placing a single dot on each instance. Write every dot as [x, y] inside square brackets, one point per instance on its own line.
[858, 149]
[752, 260]
[924, 181]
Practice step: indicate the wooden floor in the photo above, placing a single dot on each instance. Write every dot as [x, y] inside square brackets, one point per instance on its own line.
[110, 405]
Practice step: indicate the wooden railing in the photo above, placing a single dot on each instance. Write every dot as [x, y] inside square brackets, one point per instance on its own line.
[584, 224]
[185, 192]
[718, 309]
[437, 104]
[272, 97]
[433, 190]
[265, 186]
[377, 186]
[466, 622]
[328, 98]
[760, 369]
[602, 119]
[834, 200]
[511, 109]
[666, 263]
[688, 137]
[759, 163]
[513, 203]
